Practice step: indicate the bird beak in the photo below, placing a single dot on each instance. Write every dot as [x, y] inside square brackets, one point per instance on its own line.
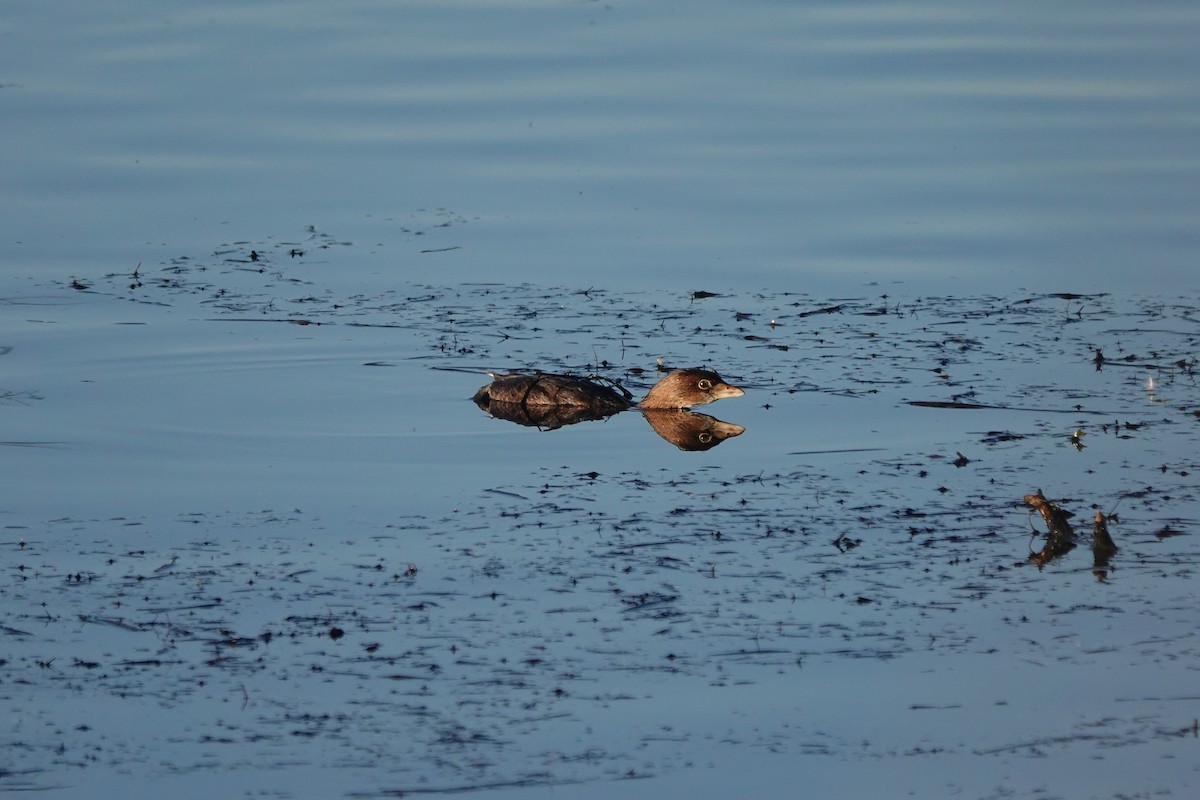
[724, 390]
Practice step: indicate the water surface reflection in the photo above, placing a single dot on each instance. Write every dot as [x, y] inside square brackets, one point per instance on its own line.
[687, 430]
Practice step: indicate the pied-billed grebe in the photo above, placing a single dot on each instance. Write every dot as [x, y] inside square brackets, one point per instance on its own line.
[682, 388]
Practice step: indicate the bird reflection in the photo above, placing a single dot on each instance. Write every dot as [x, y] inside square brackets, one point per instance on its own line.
[687, 430]
[546, 417]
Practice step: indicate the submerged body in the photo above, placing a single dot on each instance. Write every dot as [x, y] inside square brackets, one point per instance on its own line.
[682, 388]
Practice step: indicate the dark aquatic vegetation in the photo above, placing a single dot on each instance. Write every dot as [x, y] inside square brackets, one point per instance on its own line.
[550, 622]
[1060, 539]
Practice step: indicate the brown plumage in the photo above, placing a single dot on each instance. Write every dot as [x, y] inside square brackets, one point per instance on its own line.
[682, 388]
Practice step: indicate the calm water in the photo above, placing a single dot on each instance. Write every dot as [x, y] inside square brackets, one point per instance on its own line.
[964, 146]
[199, 490]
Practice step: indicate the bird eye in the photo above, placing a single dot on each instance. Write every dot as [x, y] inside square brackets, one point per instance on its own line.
[705, 437]
[705, 384]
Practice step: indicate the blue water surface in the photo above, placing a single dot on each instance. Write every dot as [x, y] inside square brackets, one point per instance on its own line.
[256, 257]
[954, 145]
